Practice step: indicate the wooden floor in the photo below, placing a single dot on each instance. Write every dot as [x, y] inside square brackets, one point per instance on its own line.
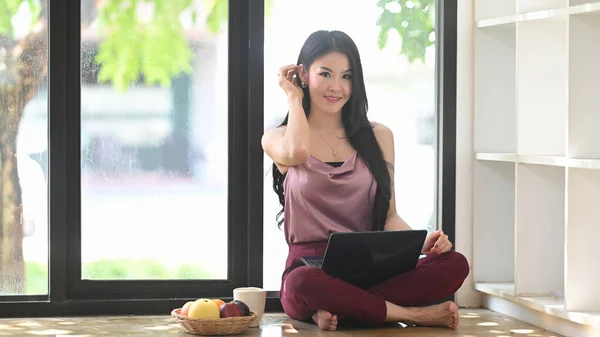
[479, 323]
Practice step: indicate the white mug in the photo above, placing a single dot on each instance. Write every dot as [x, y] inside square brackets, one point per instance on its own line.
[255, 299]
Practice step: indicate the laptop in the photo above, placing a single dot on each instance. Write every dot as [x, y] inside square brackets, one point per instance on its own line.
[365, 259]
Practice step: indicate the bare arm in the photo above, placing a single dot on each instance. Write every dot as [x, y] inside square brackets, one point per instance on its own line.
[289, 145]
[385, 137]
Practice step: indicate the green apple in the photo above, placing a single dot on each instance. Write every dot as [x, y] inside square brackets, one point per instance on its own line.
[204, 308]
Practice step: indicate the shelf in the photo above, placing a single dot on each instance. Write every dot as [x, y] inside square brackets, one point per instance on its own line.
[552, 305]
[539, 226]
[544, 160]
[549, 15]
[526, 6]
[500, 289]
[496, 21]
[534, 10]
[536, 173]
[584, 81]
[495, 89]
[582, 292]
[590, 4]
[544, 100]
[557, 161]
[584, 8]
[501, 157]
[584, 163]
[493, 221]
[545, 15]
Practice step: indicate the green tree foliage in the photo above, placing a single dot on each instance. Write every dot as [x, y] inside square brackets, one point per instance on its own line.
[133, 44]
[156, 47]
[412, 20]
[8, 9]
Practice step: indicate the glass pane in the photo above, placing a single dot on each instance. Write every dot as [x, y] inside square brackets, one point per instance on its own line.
[400, 84]
[23, 148]
[154, 140]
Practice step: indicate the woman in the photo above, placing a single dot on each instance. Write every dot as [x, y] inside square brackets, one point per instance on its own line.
[336, 170]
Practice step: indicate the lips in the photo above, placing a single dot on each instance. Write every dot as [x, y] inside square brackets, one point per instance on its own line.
[332, 99]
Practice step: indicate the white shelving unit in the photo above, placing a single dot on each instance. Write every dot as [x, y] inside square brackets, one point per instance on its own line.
[536, 208]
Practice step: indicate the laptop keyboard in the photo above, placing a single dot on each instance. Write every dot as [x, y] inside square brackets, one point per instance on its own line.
[313, 262]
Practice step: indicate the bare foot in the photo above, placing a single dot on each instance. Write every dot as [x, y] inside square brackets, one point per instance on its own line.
[444, 314]
[325, 320]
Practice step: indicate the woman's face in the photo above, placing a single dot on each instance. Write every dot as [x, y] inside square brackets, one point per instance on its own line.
[329, 82]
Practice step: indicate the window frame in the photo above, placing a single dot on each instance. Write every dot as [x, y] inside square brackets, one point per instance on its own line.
[69, 295]
[445, 96]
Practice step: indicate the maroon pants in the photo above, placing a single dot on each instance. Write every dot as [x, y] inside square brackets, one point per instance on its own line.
[304, 289]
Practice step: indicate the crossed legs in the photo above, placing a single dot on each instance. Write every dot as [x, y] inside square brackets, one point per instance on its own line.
[308, 292]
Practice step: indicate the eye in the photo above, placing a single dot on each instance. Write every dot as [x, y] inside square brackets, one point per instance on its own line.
[347, 77]
[325, 74]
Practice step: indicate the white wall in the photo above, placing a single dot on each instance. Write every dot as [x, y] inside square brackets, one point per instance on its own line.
[467, 296]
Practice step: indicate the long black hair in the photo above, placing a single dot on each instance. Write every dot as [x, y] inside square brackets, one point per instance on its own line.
[354, 118]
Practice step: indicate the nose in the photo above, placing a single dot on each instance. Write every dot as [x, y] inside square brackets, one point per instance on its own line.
[335, 85]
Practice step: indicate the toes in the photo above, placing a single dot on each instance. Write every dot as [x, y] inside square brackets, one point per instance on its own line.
[315, 317]
[325, 320]
[455, 316]
[325, 315]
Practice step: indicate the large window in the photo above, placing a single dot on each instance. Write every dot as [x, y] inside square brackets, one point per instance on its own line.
[154, 158]
[23, 149]
[132, 175]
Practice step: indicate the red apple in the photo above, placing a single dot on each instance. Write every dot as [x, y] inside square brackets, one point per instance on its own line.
[230, 309]
[243, 307]
[186, 308]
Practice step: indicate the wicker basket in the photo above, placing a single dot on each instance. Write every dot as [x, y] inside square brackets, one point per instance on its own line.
[216, 326]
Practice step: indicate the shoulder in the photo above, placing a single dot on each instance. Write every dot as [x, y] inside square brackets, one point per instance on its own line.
[384, 135]
[385, 138]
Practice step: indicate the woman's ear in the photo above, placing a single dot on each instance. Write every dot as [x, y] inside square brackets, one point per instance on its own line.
[303, 74]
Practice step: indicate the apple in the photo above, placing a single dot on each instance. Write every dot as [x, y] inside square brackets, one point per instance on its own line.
[204, 308]
[186, 308]
[230, 309]
[243, 307]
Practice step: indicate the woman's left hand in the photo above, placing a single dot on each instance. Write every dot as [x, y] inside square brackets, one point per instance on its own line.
[436, 243]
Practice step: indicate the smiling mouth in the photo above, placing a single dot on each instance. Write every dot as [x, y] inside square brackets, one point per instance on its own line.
[332, 99]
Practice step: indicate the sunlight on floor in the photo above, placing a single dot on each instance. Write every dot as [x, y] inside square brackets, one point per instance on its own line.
[474, 323]
[522, 331]
[488, 324]
[49, 332]
[469, 315]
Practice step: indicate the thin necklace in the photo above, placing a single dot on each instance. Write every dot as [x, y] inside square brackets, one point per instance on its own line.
[332, 148]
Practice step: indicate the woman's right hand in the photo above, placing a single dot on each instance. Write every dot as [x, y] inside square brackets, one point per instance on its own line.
[288, 83]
